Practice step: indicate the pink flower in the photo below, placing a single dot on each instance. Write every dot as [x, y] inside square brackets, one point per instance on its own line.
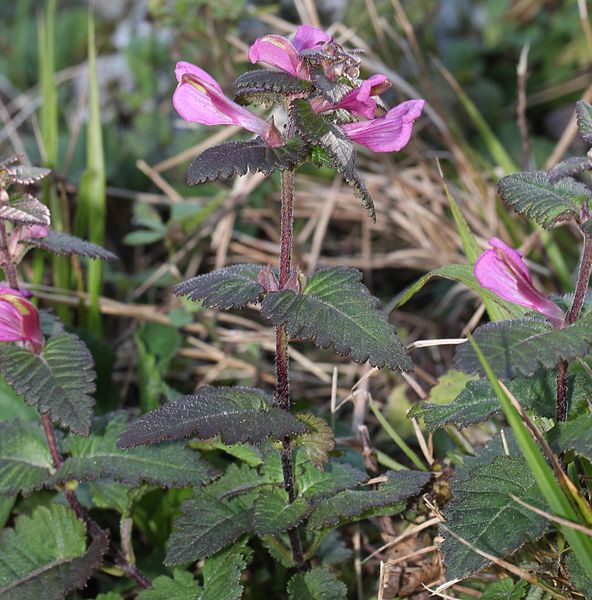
[502, 271]
[388, 133]
[200, 99]
[19, 320]
[359, 101]
[24, 233]
[280, 52]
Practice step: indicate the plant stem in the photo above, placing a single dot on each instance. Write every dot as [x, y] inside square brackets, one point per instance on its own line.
[7, 264]
[93, 527]
[282, 387]
[572, 316]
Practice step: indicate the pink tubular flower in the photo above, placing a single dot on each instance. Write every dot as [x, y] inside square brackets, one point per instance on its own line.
[200, 99]
[502, 271]
[19, 320]
[388, 133]
[280, 52]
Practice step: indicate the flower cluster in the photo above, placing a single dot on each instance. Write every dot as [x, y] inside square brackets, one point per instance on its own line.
[199, 98]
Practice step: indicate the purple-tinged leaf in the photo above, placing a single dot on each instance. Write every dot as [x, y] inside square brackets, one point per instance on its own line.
[574, 165]
[25, 209]
[64, 244]
[268, 86]
[28, 175]
[236, 414]
[584, 120]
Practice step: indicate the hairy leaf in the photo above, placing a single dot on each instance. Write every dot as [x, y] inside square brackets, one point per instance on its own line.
[584, 119]
[262, 86]
[533, 195]
[333, 550]
[482, 513]
[25, 461]
[351, 505]
[26, 175]
[236, 414]
[319, 131]
[569, 167]
[312, 483]
[25, 209]
[477, 401]
[64, 244]
[44, 556]
[230, 287]
[60, 381]
[577, 575]
[98, 457]
[573, 435]
[222, 573]
[181, 586]
[318, 442]
[236, 158]
[319, 583]
[505, 589]
[523, 346]
[274, 513]
[336, 310]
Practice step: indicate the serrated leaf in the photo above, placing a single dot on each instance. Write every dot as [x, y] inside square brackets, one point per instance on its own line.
[26, 175]
[45, 555]
[351, 505]
[577, 575]
[25, 209]
[569, 167]
[181, 586]
[319, 583]
[584, 120]
[97, 457]
[477, 401]
[230, 287]
[60, 381]
[64, 244]
[268, 86]
[463, 274]
[573, 435]
[274, 513]
[533, 195]
[318, 442]
[482, 513]
[222, 573]
[312, 483]
[236, 158]
[505, 589]
[319, 131]
[244, 452]
[336, 310]
[25, 461]
[523, 346]
[236, 414]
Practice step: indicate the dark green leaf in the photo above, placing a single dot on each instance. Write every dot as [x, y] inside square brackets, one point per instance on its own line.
[584, 119]
[60, 381]
[236, 414]
[333, 550]
[25, 461]
[65, 244]
[477, 401]
[222, 573]
[273, 513]
[336, 310]
[319, 583]
[319, 131]
[25, 210]
[505, 590]
[577, 575]
[181, 586]
[262, 86]
[523, 346]
[482, 513]
[225, 288]
[26, 175]
[236, 158]
[569, 167]
[312, 483]
[44, 556]
[352, 505]
[573, 435]
[98, 457]
[318, 442]
[331, 90]
[533, 195]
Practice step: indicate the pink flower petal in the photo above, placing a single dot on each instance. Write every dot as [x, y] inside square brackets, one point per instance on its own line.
[359, 101]
[19, 320]
[388, 133]
[278, 51]
[307, 36]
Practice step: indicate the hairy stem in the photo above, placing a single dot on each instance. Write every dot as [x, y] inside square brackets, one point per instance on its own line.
[572, 316]
[282, 388]
[7, 264]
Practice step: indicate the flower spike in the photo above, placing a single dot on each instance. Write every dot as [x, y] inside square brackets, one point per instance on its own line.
[502, 271]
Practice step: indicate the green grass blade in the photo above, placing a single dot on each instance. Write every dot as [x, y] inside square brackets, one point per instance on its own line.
[542, 472]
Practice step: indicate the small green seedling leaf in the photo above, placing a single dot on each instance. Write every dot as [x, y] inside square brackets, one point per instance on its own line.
[274, 513]
[319, 583]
